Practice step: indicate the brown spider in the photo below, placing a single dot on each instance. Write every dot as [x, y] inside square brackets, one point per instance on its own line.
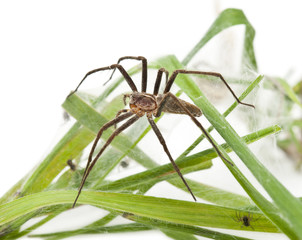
[142, 103]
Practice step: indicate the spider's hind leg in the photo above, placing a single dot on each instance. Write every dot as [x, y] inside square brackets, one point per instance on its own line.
[197, 123]
[163, 143]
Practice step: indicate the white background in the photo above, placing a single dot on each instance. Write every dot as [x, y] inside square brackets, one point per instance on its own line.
[47, 47]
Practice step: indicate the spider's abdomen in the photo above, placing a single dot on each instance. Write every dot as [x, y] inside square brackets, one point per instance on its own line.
[171, 106]
[141, 103]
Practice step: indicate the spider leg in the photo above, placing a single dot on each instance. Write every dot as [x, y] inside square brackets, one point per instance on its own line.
[113, 66]
[236, 219]
[158, 79]
[119, 113]
[91, 163]
[144, 70]
[163, 143]
[238, 216]
[252, 218]
[116, 120]
[182, 71]
[198, 124]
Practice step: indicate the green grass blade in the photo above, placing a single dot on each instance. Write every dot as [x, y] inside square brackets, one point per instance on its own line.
[228, 18]
[289, 91]
[175, 211]
[131, 227]
[181, 228]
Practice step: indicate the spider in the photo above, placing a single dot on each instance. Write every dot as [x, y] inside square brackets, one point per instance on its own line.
[245, 219]
[71, 165]
[151, 105]
[125, 163]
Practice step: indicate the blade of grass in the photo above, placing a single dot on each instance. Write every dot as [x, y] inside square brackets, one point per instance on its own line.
[289, 91]
[175, 211]
[184, 228]
[228, 18]
[131, 227]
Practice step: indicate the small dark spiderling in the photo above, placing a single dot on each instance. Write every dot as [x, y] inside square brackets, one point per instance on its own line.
[124, 164]
[245, 219]
[71, 165]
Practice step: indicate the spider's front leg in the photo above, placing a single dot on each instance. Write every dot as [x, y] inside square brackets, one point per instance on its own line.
[90, 162]
[144, 69]
[113, 66]
[158, 79]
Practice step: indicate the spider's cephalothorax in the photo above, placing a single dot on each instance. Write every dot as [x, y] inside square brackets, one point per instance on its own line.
[151, 105]
[142, 103]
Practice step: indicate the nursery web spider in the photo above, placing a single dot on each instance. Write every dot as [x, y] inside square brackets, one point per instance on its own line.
[151, 105]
